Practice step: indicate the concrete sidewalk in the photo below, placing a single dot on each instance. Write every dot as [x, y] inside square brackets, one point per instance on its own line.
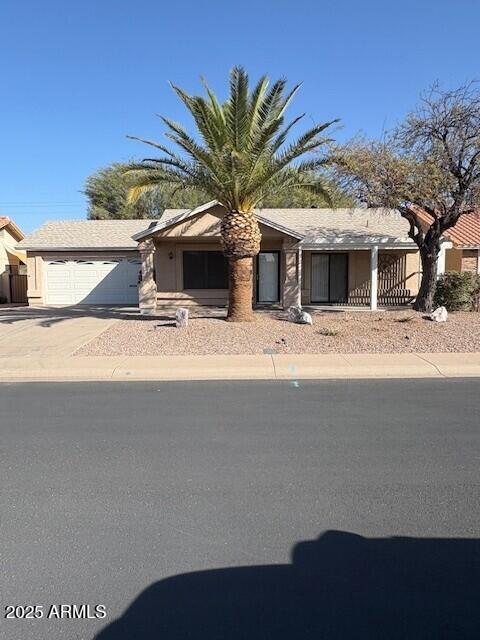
[237, 367]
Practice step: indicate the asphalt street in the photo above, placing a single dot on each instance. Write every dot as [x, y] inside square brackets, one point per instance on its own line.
[329, 509]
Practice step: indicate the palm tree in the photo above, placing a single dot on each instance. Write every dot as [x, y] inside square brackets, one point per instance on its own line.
[240, 157]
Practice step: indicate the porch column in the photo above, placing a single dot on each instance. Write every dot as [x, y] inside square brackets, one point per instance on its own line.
[147, 288]
[373, 278]
[292, 283]
[478, 262]
[441, 261]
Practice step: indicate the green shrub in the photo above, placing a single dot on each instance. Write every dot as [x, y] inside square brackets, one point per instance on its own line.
[456, 291]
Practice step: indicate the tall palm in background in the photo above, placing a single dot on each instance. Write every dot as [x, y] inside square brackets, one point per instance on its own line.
[241, 156]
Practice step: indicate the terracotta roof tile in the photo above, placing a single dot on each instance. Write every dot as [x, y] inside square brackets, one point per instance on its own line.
[466, 233]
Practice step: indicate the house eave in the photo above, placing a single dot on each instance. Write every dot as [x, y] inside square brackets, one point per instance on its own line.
[354, 245]
[69, 249]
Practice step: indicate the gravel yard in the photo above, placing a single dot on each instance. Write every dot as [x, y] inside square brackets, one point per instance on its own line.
[332, 332]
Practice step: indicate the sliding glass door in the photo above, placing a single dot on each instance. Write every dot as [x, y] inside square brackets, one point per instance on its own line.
[329, 277]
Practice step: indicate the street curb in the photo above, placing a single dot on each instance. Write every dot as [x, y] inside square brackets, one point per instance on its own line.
[240, 367]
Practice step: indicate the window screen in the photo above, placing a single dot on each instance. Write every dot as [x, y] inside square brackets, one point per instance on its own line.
[204, 270]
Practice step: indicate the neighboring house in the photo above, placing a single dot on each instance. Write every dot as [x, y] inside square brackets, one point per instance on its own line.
[12, 281]
[464, 254]
[360, 257]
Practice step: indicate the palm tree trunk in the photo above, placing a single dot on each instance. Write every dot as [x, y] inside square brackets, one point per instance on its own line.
[241, 242]
[240, 294]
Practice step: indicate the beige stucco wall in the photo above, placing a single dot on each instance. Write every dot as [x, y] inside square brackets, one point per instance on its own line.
[169, 271]
[197, 234]
[470, 259]
[453, 260]
[7, 241]
[461, 260]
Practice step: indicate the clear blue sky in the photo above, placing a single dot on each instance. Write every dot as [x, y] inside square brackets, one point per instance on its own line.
[76, 77]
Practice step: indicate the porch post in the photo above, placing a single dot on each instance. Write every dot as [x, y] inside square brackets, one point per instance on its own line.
[147, 288]
[441, 261]
[373, 278]
[478, 262]
[292, 288]
[299, 276]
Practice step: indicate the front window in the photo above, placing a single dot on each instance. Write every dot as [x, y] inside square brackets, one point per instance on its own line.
[205, 270]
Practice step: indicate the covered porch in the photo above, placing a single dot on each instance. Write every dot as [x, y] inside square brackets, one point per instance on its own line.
[194, 273]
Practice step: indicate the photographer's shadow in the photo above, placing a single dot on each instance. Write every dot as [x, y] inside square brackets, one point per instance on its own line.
[340, 586]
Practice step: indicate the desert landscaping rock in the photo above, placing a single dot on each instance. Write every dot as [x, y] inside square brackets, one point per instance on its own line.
[439, 315]
[181, 318]
[331, 332]
[296, 314]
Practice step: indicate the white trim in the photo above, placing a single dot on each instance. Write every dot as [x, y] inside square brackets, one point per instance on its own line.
[299, 277]
[441, 261]
[69, 249]
[478, 262]
[345, 246]
[374, 278]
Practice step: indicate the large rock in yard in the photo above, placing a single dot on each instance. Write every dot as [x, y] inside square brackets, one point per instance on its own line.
[439, 315]
[181, 317]
[297, 315]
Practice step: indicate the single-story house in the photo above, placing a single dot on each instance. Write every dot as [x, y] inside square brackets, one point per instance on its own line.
[360, 257]
[12, 281]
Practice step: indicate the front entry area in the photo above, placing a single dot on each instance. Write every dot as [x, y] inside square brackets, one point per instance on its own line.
[268, 277]
[329, 277]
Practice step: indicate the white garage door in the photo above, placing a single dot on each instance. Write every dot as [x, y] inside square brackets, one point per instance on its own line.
[92, 280]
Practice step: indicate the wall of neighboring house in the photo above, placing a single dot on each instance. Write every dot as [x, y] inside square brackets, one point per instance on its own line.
[470, 259]
[453, 260]
[6, 240]
[462, 260]
[398, 273]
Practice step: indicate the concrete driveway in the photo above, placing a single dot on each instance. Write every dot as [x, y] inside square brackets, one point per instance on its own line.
[53, 331]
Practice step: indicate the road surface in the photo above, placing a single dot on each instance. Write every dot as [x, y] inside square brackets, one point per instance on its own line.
[330, 509]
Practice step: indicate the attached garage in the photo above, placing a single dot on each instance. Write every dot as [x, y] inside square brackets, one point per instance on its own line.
[109, 280]
[84, 262]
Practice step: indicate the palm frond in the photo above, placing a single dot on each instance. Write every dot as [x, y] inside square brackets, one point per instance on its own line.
[240, 152]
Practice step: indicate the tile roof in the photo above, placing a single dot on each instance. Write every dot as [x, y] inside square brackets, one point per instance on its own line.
[466, 233]
[85, 234]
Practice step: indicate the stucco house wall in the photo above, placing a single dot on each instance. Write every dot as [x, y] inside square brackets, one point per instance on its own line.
[7, 241]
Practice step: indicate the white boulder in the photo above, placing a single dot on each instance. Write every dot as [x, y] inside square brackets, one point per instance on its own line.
[439, 315]
[181, 317]
[297, 315]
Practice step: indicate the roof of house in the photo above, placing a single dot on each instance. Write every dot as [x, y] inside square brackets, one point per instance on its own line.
[466, 233]
[5, 221]
[61, 235]
[314, 226]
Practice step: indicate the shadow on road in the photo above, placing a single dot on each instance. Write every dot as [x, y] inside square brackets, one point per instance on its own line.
[341, 586]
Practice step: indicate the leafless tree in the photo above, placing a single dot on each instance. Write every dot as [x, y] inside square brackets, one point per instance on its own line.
[428, 169]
